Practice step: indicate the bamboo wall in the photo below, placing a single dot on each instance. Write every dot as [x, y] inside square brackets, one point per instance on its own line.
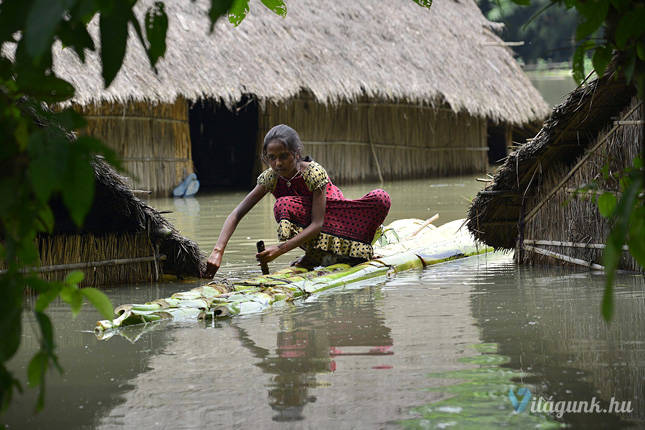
[153, 141]
[571, 217]
[353, 141]
[69, 249]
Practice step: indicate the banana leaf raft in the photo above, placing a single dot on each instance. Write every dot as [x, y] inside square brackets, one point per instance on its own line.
[402, 245]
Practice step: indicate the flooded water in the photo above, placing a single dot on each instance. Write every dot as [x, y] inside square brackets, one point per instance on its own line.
[553, 85]
[434, 348]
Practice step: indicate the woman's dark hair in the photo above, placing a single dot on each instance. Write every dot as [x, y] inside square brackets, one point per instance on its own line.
[288, 137]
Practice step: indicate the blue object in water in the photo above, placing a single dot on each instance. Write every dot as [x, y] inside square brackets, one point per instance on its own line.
[180, 190]
[192, 188]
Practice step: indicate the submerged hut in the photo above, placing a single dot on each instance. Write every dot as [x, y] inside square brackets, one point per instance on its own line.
[534, 204]
[123, 240]
[376, 90]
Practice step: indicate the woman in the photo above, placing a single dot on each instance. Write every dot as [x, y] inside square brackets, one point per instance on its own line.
[311, 212]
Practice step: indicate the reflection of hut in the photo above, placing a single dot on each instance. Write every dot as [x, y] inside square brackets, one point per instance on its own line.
[123, 240]
[599, 125]
[388, 89]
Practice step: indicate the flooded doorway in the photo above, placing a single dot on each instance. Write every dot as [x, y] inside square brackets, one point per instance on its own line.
[224, 142]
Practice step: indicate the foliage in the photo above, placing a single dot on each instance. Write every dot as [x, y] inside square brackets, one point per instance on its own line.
[623, 43]
[547, 31]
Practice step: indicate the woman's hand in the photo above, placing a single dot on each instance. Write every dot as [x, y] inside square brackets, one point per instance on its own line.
[269, 254]
[213, 263]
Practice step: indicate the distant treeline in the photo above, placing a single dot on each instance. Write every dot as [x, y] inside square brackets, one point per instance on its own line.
[548, 37]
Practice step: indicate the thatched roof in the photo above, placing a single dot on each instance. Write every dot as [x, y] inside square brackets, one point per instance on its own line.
[117, 210]
[335, 49]
[572, 127]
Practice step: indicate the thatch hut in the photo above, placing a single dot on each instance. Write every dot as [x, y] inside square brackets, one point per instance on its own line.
[375, 89]
[123, 240]
[533, 204]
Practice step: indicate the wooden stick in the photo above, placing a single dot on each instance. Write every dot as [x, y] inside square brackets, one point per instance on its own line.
[264, 266]
[89, 264]
[564, 258]
[569, 244]
[425, 224]
[575, 168]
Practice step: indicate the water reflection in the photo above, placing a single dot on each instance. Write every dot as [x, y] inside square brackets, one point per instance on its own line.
[355, 358]
[547, 320]
[304, 350]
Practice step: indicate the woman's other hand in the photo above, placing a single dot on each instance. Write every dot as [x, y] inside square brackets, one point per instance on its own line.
[213, 263]
[269, 254]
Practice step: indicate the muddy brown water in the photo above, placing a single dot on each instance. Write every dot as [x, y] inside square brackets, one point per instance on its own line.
[434, 348]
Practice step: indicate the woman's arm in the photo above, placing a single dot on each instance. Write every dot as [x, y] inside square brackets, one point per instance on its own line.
[215, 259]
[318, 205]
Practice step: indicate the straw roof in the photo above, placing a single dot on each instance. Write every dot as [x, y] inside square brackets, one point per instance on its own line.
[573, 126]
[117, 210]
[336, 50]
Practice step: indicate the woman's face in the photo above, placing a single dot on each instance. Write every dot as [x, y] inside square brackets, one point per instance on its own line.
[281, 159]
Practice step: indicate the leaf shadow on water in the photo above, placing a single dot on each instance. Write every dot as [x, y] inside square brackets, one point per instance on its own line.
[478, 397]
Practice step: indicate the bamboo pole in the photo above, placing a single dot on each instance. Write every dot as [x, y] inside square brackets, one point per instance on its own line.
[90, 264]
[429, 221]
[569, 244]
[564, 258]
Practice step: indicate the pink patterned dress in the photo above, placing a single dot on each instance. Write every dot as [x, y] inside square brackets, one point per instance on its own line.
[349, 225]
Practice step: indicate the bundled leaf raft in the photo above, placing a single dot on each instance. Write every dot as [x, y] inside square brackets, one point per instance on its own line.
[402, 245]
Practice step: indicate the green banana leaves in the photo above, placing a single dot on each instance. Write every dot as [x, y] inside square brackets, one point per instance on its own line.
[401, 246]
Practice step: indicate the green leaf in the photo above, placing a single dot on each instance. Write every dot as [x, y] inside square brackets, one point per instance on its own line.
[69, 119]
[46, 87]
[594, 13]
[616, 239]
[10, 316]
[46, 217]
[520, 2]
[45, 298]
[428, 3]
[630, 26]
[601, 58]
[49, 162]
[113, 26]
[73, 297]
[46, 331]
[86, 9]
[100, 301]
[156, 29]
[607, 305]
[74, 278]
[237, 12]
[579, 61]
[13, 15]
[636, 235]
[606, 204]
[22, 134]
[630, 67]
[74, 34]
[44, 16]
[278, 6]
[640, 50]
[78, 185]
[218, 9]
[37, 369]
